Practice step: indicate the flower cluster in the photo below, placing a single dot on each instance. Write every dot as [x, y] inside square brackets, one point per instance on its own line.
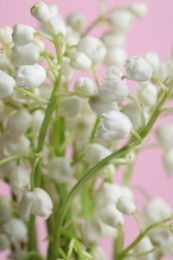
[63, 138]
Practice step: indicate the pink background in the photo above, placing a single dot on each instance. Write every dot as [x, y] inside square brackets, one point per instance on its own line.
[153, 32]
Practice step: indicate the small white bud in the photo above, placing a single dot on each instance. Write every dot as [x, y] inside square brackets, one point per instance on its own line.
[22, 34]
[30, 76]
[168, 161]
[145, 245]
[138, 69]
[76, 21]
[19, 180]
[116, 56]
[126, 205]
[115, 125]
[153, 59]
[84, 86]
[37, 202]
[54, 26]
[99, 106]
[91, 232]
[5, 35]
[37, 119]
[15, 230]
[164, 134]
[60, 169]
[113, 87]
[121, 20]
[96, 50]
[94, 153]
[5, 209]
[15, 145]
[156, 210]
[70, 107]
[67, 71]
[132, 111]
[4, 242]
[19, 122]
[147, 94]
[41, 12]
[27, 54]
[160, 236]
[139, 9]
[5, 62]
[112, 39]
[110, 215]
[7, 84]
[80, 61]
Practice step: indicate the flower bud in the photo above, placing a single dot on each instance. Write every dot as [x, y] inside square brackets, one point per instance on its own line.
[99, 106]
[139, 9]
[126, 205]
[109, 231]
[112, 39]
[80, 61]
[30, 76]
[164, 134]
[76, 21]
[147, 94]
[67, 71]
[27, 54]
[37, 119]
[19, 180]
[4, 242]
[15, 145]
[145, 245]
[54, 26]
[115, 125]
[96, 52]
[60, 169]
[132, 111]
[160, 236]
[121, 20]
[22, 34]
[94, 153]
[70, 107]
[15, 230]
[110, 215]
[113, 87]
[156, 210]
[99, 254]
[138, 69]
[84, 86]
[5, 62]
[115, 56]
[5, 35]
[19, 122]
[5, 209]
[7, 84]
[168, 161]
[41, 12]
[37, 202]
[153, 59]
[91, 232]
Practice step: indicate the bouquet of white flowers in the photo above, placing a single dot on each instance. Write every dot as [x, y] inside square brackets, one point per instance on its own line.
[63, 137]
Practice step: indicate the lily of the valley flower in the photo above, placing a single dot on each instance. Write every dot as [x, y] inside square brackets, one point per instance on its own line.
[7, 84]
[23, 34]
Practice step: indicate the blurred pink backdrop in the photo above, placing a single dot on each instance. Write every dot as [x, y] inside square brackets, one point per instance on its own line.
[154, 32]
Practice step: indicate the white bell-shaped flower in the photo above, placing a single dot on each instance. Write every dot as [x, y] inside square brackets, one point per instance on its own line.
[15, 145]
[139, 9]
[54, 26]
[96, 51]
[160, 236]
[138, 69]
[5, 209]
[4, 242]
[23, 34]
[70, 107]
[6, 35]
[108, 231]
[126, 205]
[36, 202]
[113, 87]
[164, 134]
[168, 161]
[84, 86]
[110, 215]
[121, 20]
[153, 59]
[143, 246]
[60, 169]
[156, 210]
[7, 84]
[132, 111]
[94, 153]
[41, 12]
[114, 126]
[91, 232]
[15, 230]
[80, 61]
[19, 122]
[37, 119]
[5, 62]
[19, 180]
[99, 106]
[26, 55]
[30, 76]
[116, 56]
[147, 94]
[76, 21]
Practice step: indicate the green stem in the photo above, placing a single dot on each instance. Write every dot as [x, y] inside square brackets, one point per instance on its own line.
[31, 95]
[92, 137]
[10, 158]
[32, 241]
